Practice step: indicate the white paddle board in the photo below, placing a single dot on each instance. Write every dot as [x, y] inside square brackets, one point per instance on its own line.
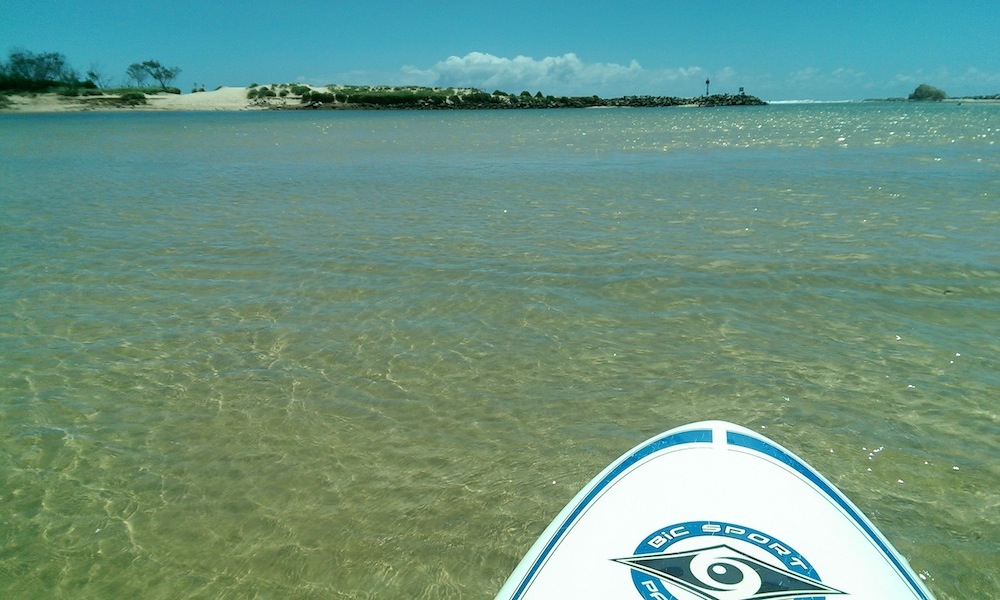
[711, 511]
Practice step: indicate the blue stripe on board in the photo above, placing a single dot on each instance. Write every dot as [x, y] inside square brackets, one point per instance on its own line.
[695, 436]
[767, 448]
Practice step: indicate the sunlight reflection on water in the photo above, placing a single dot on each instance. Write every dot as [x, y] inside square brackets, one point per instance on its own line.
[339, 354]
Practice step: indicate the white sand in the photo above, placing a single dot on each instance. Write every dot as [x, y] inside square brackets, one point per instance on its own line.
[224, 98]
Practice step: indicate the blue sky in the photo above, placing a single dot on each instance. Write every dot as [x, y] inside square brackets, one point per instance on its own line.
[776, 49]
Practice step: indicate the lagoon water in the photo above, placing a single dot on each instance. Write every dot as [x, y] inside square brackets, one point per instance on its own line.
[372, 354]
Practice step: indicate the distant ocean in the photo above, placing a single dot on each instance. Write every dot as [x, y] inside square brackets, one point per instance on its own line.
[372, 354]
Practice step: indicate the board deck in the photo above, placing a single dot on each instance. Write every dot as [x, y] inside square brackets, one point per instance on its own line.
[711, 511]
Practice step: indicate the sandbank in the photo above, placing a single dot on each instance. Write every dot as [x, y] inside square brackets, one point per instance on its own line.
[222, 99]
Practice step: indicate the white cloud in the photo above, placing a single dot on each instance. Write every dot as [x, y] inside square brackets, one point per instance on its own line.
[556, 75]
[553, 74]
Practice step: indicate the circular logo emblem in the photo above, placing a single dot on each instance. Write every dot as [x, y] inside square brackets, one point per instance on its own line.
[714, 560]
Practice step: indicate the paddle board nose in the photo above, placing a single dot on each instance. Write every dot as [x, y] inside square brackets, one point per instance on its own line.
[711, 511]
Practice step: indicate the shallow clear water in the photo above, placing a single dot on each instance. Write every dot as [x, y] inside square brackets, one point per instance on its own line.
[367, 354]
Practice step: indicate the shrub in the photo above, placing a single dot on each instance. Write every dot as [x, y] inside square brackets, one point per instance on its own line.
[261, 92]
[322, 97]
[133, 98]
[478, 97]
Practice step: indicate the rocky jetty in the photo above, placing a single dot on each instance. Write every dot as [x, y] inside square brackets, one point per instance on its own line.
[712, 100]
[420, 98]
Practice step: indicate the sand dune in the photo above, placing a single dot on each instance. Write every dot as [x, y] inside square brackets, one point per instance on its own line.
[224, 98]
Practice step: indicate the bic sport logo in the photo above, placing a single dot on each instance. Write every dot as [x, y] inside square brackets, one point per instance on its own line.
[712, 560]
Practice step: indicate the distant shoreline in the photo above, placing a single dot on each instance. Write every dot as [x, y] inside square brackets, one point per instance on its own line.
[301, 97]
[890, 101]
[971, 100]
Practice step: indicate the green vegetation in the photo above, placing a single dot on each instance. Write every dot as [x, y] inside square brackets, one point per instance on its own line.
[313, 97]
[260, 92]
[27, 72]
[415, 97]
[132, 99]
[396, 97]
[283, 90]
[928, 92]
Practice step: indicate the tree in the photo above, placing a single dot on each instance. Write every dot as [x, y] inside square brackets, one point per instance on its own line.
[164, 75]
[47, 66]
[137, 73]
[928, 92]
[25, 70]
[96, 74]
